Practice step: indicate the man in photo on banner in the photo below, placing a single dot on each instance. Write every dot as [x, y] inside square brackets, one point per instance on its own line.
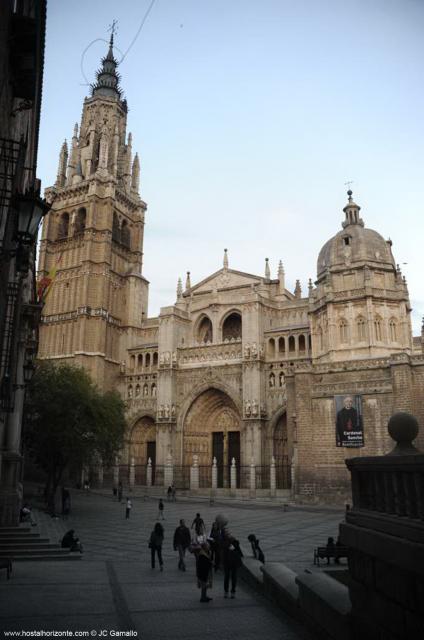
[348, 420]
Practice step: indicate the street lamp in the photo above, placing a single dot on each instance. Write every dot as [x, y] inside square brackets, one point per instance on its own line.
[30, 209]
[29, 370]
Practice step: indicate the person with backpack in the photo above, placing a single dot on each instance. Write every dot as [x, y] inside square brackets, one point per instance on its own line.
[155, 544]
[231, 560]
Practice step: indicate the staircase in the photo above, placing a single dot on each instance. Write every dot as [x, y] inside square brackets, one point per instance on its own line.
[21, 543]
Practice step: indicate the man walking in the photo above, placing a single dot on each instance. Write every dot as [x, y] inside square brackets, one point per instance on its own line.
[128, 509]
[182, 541]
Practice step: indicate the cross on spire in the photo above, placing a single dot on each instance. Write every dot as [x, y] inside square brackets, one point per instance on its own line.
[113, 28]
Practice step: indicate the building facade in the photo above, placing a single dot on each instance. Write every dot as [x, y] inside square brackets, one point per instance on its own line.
[22, 27]
[238, 367]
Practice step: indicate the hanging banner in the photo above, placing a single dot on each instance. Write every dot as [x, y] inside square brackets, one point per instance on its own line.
[349, 424]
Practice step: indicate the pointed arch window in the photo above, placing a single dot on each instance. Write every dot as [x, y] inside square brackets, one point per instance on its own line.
[292, 344]
[232, 327]
[63, 229]
[361, 329]
[116, 232]
[378, 329]
[140, 361]
[343, 331]
[125, 234]
[80, 221]
[271, 347]
[146, 390]
[393, 330]
[282, 345]
[205, 332]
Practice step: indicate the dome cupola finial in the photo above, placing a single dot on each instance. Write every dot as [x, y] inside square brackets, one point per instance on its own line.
[351, 211]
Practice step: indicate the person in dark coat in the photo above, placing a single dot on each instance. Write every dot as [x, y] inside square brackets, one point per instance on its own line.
[231, 558]
[182, 541]
[199, 525]
[204, 571]
[69, 541]
[155, 544]
[214, 540]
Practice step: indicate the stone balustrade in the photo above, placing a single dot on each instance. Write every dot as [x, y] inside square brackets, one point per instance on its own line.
[223, 352]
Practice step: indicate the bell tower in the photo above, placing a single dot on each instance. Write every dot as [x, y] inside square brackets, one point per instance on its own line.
[92, 239]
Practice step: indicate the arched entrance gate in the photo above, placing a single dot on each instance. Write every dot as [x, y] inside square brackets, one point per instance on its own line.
[212, 429]
[142, 447]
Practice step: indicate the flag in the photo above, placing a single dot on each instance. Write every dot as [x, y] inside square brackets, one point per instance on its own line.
[46, 282]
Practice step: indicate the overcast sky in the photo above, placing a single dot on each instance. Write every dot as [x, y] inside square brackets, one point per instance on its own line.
[249, 117]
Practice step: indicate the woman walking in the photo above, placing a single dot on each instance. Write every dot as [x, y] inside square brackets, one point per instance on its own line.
[204, 571]
[155, 544]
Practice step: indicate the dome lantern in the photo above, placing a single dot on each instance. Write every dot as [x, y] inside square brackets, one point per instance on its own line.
[351, 211]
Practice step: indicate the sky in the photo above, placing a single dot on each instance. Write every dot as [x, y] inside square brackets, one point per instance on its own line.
[249, 116]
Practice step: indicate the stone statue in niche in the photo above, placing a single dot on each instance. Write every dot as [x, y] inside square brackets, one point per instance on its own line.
[254, 408]
[174, 357]
[247, 409]
[167, 357]
[160, 411]
[247, 350]
[161, 359]
[254, 350]
[272, 381]
[166, 411]
[173, 411]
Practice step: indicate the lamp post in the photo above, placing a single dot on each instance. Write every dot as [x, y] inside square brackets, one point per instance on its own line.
[30, 210]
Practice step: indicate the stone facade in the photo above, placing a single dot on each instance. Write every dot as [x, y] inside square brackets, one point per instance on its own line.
[239, 366]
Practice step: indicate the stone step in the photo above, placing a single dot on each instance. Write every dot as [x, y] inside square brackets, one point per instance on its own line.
[47, 558]
[22, 541]
[24, 547]
[14, 529]
[36, 551]
[13, 536]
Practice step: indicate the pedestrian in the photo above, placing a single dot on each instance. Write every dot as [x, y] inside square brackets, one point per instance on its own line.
[169, 493]
[231, 556]
[155, 544]
[214, 540]
[86, 486]
[161, 507]
[174, 493]
[115, 491]
[26, 515]
[66, 501]
[182, 540]
[128, 509]
[204, 571]
[120, 491]
[199, 525]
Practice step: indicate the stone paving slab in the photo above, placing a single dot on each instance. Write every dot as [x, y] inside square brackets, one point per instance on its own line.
[113, 587]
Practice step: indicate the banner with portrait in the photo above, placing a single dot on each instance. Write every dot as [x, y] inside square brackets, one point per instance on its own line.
[349, 423]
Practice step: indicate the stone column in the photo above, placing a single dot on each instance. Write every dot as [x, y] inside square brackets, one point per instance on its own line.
[116, 473]
[169, 471]
[214, 475]
[194, 474]
[132, 474]
[233, 477]
[149, 473]
[273, 479]
[252, 478]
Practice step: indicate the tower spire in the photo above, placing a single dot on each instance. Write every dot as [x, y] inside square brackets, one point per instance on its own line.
[225, 261]
[63, 161]
[351, 211]
[107, 78]
[267, 269]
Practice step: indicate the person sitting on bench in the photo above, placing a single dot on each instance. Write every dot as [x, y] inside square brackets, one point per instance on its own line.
[69, 541]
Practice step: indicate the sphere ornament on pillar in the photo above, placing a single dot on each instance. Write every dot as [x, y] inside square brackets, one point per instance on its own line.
[403, 428]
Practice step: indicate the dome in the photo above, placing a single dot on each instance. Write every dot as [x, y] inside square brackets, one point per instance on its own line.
[354, 244]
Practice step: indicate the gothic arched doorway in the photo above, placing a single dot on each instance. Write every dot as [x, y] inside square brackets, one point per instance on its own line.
[281, 453]
[212, 429]
[142, 447]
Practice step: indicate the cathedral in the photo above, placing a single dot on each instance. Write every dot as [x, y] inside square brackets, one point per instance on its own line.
[238, 368]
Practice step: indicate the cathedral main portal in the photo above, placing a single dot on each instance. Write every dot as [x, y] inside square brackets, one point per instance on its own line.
[212, 429]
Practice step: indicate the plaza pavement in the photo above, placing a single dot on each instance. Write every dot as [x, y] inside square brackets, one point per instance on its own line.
[114, 588]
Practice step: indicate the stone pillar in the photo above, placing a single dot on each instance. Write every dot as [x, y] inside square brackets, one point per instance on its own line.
[252, 478]
[214, 474]
[100, 475]
[169, 471]
[273, 479]
[194, 474]
[132, 474]
[233, 477]
[149, 473]
[116, 473]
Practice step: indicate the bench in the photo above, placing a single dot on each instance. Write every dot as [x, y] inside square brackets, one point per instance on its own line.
[6, 563]
[324, 552]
